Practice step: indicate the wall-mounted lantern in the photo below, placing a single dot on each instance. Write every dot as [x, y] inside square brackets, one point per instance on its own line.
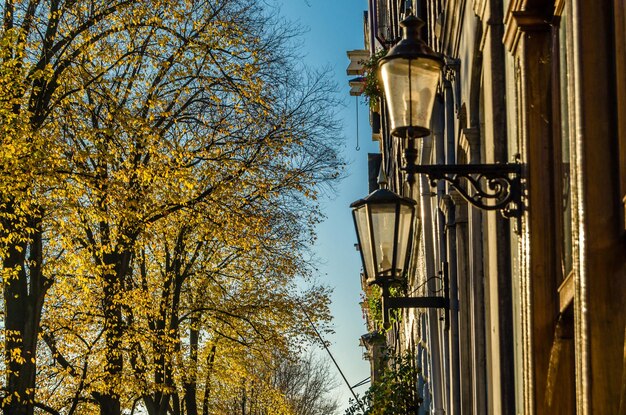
[384, 223]
[384, 227]
[410, 73]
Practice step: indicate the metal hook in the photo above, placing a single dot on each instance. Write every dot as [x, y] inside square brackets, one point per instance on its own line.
[356, 101]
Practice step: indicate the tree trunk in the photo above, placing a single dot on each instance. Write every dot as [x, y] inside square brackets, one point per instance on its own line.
[191, 383]
[24, 295]
[109, 400]
[207, 383]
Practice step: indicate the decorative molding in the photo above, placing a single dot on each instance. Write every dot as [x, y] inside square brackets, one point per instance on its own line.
[518, 22]
[487, 25]
[460, 207]
[357, 57]
[510, 25]
[444, 204]
[529, 21]
[469, 141]
[453, 26]
[480, 6]
[357, 86]
[456, 198]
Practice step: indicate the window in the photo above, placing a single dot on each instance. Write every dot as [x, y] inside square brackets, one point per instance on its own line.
[561, 389]
[561, 144]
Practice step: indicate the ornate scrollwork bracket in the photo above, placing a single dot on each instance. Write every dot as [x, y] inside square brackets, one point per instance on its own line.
[487, 186]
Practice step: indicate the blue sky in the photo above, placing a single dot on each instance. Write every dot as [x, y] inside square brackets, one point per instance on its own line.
[334, 27]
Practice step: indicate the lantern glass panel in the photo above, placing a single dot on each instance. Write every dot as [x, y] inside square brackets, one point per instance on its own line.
[410, 86]
[383, 226]
[365, 242]
[404, 234]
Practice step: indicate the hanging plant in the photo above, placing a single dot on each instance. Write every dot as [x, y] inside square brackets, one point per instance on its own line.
[394, 393]
[373, 90]
[375, 306]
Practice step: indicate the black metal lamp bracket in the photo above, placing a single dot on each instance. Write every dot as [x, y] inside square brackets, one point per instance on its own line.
[441, 302]
[495, 186]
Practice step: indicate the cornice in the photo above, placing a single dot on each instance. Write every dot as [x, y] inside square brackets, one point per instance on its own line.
[518, 22]
[469, 142]
[479, 8]
[456, 198]
[444, 203]
[460, 207]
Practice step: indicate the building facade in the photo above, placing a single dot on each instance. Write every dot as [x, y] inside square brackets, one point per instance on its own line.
[537, 315]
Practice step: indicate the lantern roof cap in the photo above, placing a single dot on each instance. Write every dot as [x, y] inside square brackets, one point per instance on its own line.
[411, 46]
[383, 196]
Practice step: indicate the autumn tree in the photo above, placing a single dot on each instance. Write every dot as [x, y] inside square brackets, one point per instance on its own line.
[39, 42]
[162, 163]
[307, 382]
[237, 305]
[301, 384]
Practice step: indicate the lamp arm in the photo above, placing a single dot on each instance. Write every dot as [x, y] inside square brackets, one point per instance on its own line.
[389, 303]
[493, 186]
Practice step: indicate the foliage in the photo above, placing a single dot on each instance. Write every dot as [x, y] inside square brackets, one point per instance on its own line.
[159, 175]
[395, 393]
[375, 308]
[373, 90]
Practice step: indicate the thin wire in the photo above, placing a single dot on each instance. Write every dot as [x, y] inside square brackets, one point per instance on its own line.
[333, 358]
[356, 101]
[361, 383]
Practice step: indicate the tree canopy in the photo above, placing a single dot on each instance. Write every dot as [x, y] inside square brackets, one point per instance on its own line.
[159, 175]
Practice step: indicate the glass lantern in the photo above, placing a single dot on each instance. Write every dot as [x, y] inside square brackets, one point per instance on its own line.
[384, 222]
[410, 73]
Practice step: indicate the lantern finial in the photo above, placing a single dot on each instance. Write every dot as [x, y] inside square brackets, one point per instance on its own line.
[411, 27]
[382, 178]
